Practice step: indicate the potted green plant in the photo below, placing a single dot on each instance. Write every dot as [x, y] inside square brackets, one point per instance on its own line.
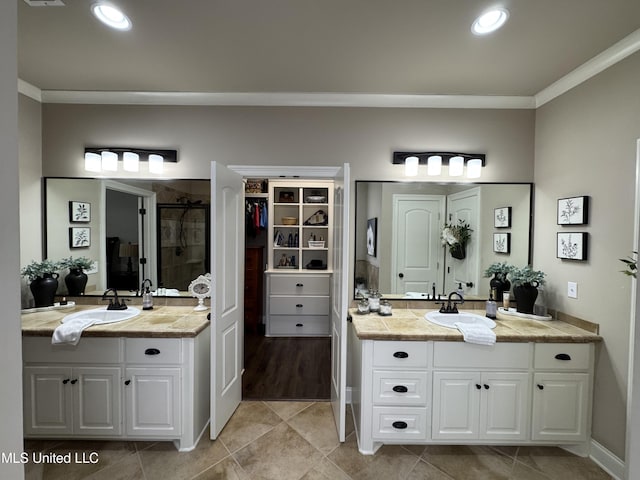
[631, 265]
[499, 282]
[76, 279]
[43, 278]
[455, 237]
[525, 282]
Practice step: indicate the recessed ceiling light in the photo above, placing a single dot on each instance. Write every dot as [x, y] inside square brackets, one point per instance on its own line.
[111, 16]
[490, 21]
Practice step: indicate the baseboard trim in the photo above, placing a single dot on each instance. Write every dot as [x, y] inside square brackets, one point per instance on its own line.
[607, 460]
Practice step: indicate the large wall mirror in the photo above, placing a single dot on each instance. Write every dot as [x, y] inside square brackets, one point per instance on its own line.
[131, 229]
[398, 246]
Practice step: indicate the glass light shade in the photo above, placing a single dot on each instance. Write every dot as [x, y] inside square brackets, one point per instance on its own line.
[474, 168]
[411, 166]
[434, 165]
[130, 161]
[110, 161]
[156, 163]
[92, 162]
[111, 16]
[490, 21]
[456, 166]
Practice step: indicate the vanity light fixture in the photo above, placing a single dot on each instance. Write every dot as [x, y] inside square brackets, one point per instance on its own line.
[111, 16]
[436, 160]
[411, 166]
[97, 159]
[490, 21]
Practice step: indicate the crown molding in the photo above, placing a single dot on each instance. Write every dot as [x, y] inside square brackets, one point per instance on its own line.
[612, 55]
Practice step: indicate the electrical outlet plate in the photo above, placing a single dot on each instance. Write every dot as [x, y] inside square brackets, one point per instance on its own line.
[572, 289]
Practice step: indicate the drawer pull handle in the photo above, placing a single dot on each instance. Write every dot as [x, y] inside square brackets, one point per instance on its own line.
[65, 381]
[74, 381]
[401, 355]
[299, 305]
[399, 425]
[563, 356]
[299, 284]
[299, 325]
[400, 389]
[127, 382]
[540, 387]
[478, 386]
[152, 351]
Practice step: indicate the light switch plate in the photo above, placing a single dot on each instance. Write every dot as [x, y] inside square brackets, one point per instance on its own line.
[572, 289]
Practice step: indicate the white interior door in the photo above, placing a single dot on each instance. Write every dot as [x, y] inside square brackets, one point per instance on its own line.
[227, 296]
[416, 241]
[340, 298]
[464, 206]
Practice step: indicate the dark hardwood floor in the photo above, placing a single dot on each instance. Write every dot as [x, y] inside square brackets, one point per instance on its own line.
[286, 368]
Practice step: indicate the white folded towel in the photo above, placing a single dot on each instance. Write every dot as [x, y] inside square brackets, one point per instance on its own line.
[475, 333]
[69, 332]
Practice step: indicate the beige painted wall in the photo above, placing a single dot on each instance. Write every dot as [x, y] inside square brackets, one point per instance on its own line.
[10, 344]
[585, 145]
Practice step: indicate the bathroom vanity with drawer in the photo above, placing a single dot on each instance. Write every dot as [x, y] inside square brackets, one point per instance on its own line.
[418, 383]
[127, 381]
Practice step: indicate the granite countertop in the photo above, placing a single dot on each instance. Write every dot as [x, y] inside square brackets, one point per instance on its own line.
[161, 322]
[410, 324]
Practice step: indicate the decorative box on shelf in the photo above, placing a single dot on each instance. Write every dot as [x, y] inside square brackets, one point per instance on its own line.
[316, 243]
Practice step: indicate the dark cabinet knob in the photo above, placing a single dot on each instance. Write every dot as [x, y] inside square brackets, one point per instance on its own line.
[401, 275]
[400, 389]
[478, 386]
[299, 284]
[399, 425]
[401, 355]
[563, 356]
[486, 387]
[152, 351]
[540, 387]
[74, 381]
[127, 382]
[65, 381]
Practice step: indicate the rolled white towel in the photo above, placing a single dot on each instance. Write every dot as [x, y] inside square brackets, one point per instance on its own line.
[476, 333]
[69, 332]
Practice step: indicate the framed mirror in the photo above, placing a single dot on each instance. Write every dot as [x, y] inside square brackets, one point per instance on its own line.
[133, 229]
[404, 255]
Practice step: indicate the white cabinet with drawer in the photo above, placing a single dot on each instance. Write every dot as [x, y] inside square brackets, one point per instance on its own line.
[298, 304]
[117, 388]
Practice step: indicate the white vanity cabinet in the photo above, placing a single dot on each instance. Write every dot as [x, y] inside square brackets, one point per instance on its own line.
[443, 392]
[117, 388]
[562, 392]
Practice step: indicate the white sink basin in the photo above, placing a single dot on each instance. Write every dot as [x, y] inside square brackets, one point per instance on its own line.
[449, 319]
[102, 315]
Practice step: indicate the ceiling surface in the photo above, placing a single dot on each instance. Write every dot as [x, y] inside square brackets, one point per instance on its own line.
[418, 47]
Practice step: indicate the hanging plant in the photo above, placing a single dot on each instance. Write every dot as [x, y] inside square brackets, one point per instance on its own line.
[456, 237]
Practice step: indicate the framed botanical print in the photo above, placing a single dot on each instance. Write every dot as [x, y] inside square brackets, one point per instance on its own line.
[572, 246]
[79, 212]
[79, 237]
[502, 217]
[573, 211]
[502, 242]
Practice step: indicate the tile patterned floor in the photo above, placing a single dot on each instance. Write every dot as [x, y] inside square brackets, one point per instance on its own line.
[297, 441]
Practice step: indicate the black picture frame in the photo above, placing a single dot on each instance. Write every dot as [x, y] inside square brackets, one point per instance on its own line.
[573, 210]
[79, 212]
[79, 237]
[572, 245]
[502, 217]
[372, 237]
[502, 242]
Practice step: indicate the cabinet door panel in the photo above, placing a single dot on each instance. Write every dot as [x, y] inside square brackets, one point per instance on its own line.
[97, 401]
[455, 405]
[504, 406]
[152, 402]
[47, 400]
[560, 406]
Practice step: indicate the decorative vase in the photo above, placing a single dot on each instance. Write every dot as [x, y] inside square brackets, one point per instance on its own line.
[76, 280]
[526, 297]
[500, 285]
[458, 251]
[44, 289]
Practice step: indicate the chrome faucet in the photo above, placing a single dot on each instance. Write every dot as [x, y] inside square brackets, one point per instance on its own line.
[448, 307]
[114, 304]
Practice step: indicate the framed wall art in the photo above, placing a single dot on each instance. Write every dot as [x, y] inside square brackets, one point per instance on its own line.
[572, 246]
[502, 217]
[79, 237]
[502, 242]
[372, 236]
[573, 211]
[79, 212]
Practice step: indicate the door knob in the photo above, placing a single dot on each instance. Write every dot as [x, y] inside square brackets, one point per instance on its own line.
[469, 284]
[401, 275]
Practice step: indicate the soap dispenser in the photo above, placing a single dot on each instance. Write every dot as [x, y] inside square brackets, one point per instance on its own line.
[147, 297]
[492, 307]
